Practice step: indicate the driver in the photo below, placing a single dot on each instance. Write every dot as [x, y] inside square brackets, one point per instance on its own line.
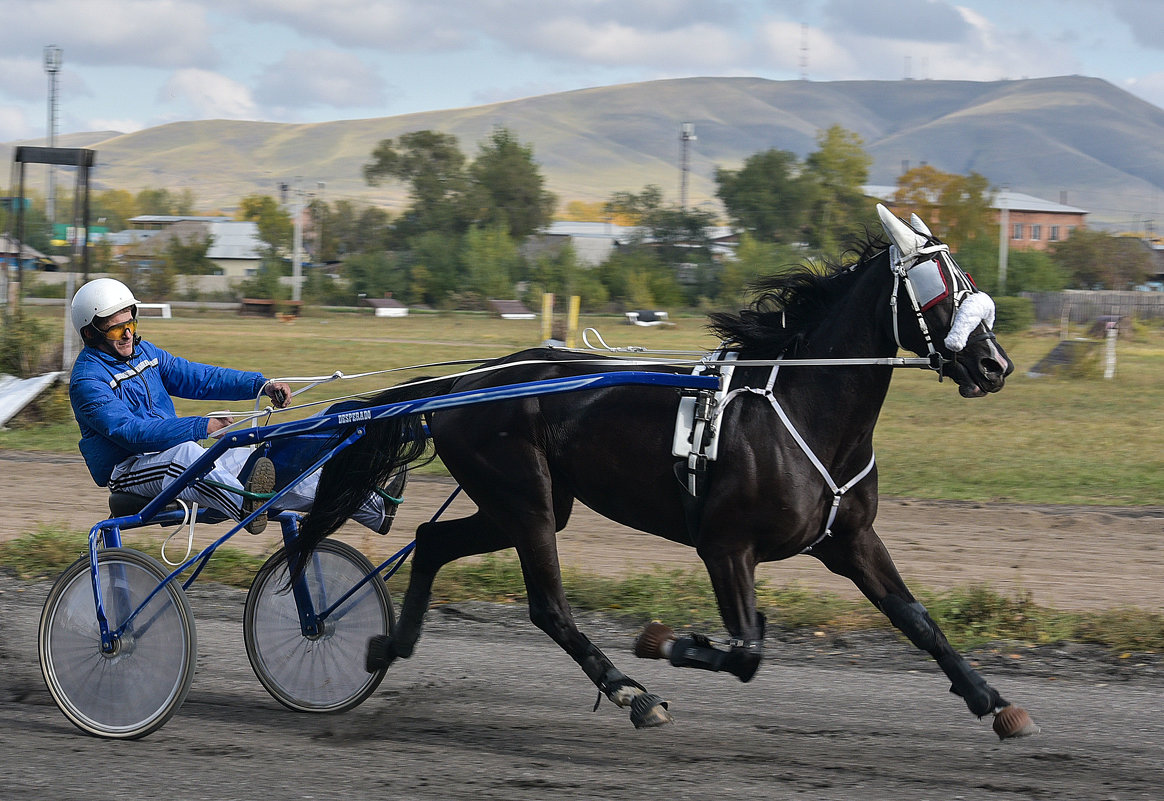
[132, 438]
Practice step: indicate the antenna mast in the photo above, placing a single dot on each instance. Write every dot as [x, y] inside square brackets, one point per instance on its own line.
[686, 137]
[52, 65]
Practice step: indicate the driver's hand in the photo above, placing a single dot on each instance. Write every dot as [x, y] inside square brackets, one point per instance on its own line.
[217, 422]
[279, 392]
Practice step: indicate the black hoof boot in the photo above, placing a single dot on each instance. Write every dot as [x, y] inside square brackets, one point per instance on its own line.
[380, 653]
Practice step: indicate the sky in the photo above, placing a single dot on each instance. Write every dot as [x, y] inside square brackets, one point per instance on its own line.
[127, 65]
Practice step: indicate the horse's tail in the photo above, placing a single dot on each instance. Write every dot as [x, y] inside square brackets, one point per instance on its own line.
[348, 477]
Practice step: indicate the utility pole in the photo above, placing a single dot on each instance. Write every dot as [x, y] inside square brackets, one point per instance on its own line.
[297, 255]
[686, 137]
[52, 65]
[1003, 239]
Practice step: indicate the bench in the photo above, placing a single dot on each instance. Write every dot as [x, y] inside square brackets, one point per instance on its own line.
[266, 307]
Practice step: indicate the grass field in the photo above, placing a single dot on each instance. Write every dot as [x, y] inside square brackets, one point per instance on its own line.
[1083, 440]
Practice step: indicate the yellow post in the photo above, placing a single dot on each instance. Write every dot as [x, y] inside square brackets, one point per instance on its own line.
[547, 316]
[572, 320]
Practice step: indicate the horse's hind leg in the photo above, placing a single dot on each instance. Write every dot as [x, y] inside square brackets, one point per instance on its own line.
[550, 611]
[437, 544]
[864, 559]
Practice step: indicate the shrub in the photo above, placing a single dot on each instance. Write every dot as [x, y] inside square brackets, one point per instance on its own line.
[1014, 314]
[22, 343]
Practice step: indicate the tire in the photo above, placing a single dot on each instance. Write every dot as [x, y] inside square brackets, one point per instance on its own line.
[134, 690]
[322, 673]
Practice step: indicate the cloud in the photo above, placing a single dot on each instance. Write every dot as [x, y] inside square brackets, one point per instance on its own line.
[14, 125]
[209, 94]
[1147, 87]
[156, 33]
[402, 24]
[1145, 21]
[121, 125]
[982, 52]
[22, 79]
[320, 78]
[914, 20]
[561, 28]
[694, 47]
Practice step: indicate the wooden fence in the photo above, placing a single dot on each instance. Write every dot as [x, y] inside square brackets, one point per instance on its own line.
[1087, 306]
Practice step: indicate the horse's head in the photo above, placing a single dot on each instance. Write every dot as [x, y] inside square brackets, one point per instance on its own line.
[938, 312]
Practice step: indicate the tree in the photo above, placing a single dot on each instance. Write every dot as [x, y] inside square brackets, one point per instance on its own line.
[1098, 260]
[275, 225]
[508, 186]
[957, 207]
[839, 168]
[753, 260]
[374, 274]
[629, 208]
[116, 206]
[189, 258]
[433, 166]
[491, 261]
[1034, 271]
[435, 271]
[769, 196]
[164, 202]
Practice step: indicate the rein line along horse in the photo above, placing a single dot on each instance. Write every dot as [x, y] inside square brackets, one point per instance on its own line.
[768, 495]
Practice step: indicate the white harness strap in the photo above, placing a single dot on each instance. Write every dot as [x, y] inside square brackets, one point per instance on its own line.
[838, 490]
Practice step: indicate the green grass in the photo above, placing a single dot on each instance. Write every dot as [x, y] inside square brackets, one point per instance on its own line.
[970, 616]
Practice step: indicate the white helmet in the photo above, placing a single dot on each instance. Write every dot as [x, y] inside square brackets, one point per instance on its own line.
[100, 298]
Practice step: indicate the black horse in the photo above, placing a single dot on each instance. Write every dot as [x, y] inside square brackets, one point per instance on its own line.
[792, 470]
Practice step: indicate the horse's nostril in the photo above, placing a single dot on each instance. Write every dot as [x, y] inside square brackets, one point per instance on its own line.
[991, 367]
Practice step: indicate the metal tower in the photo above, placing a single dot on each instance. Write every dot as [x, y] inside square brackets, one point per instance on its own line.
[686, 137]
[52, 65]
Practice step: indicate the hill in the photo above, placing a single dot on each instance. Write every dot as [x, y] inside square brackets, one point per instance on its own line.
[1074, 138]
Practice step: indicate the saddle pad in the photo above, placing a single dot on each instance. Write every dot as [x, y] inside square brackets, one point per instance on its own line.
[681, 445]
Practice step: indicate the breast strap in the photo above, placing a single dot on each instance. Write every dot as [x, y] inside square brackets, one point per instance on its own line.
[838, 490]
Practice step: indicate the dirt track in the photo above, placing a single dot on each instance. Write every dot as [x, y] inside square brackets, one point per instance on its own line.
[489, 708]
[1071, 557]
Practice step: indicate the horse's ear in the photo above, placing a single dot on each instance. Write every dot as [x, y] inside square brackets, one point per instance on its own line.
[920, 226]
[908, 241]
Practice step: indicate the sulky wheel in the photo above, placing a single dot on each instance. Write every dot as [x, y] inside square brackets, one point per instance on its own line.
[321, 672]
[133, 689]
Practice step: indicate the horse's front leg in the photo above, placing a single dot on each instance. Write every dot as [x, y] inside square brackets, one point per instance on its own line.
[863, 558]
[550, 611]
[732, 576]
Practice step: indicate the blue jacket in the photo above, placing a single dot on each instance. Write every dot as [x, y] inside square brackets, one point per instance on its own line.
[124, 407]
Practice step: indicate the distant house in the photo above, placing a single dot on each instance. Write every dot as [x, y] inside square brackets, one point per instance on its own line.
[30, 258]
[160, 222]
[1032, 222]
[593, 242]
[235, 248]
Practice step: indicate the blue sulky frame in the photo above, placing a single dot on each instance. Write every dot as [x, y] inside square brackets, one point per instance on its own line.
[107, 533]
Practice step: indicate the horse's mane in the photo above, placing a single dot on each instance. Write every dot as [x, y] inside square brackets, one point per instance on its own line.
[788, 305]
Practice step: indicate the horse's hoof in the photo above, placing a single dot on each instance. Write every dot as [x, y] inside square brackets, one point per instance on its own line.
[649, 710]
[380, 653]
[1013, 721]
[655, 641]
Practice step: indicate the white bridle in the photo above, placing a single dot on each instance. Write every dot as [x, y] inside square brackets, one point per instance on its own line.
[922, 264]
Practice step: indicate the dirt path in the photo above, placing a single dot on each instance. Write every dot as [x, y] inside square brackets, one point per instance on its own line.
[1070, 557]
